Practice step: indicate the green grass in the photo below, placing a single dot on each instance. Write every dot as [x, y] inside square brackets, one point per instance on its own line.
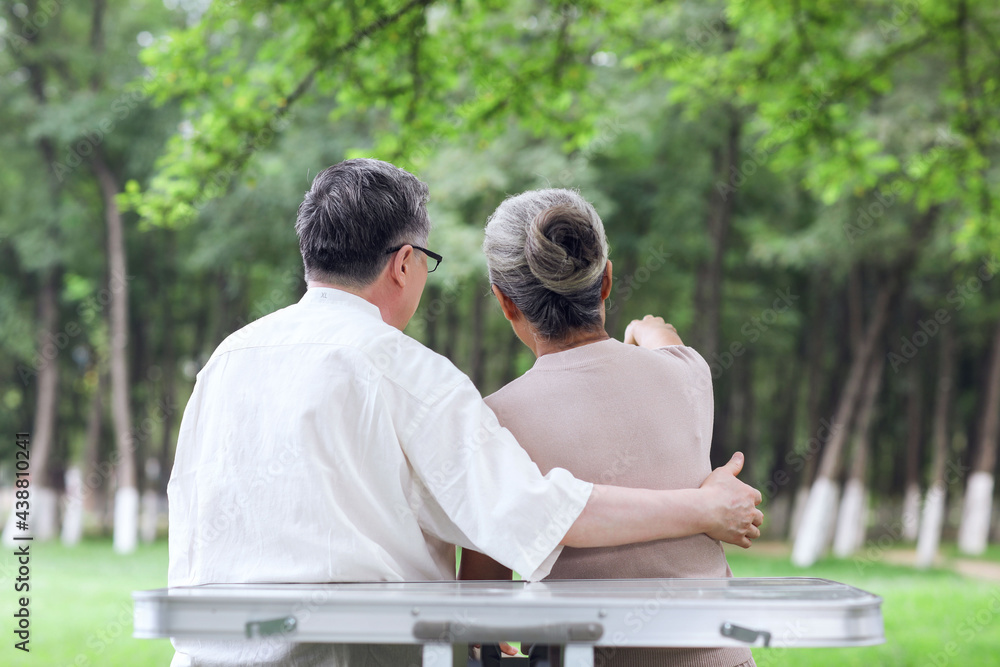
[992, 553]
[81, 606]
[81, 612]
[934, 617]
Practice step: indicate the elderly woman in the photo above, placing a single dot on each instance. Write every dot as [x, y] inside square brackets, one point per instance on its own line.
[588, 393]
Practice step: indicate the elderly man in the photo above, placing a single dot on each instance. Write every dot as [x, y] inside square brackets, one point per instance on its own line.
[323, 444]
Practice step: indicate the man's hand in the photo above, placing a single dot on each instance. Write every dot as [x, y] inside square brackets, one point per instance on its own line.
[651, 332]
[732, 505]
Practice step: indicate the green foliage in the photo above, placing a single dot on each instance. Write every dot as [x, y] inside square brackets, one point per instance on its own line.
[421, 72]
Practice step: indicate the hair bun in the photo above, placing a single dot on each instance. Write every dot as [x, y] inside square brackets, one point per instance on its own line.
[564, 250]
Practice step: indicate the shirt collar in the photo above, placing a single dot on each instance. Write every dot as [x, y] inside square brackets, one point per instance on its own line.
[332, 296]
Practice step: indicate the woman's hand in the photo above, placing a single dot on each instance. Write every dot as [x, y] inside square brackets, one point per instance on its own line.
[651, 332]
[732, 505]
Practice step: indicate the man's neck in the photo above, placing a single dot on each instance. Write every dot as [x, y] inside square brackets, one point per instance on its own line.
[373, 294]
[356, 291]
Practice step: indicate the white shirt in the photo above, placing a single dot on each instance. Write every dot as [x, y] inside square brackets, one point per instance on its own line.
[322, 444]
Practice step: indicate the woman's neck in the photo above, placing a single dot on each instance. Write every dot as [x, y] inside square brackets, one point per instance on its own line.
[545, 345]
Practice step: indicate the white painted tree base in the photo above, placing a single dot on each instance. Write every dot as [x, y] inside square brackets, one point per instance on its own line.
[150, 515]
[10, 531]
[930, 526]
[850, 520]
[975, 527]
[44, 513]
[776, 519]
[126, 532]
[72, 526]
[817, 521]
[798, 509]
[911, 512]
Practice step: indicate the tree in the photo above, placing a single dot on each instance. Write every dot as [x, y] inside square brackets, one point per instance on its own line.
[852, 517]
[932, 518]
[978, 505]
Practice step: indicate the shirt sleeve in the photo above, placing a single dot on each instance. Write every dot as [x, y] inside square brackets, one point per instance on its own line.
[699, 371]
[479, 489]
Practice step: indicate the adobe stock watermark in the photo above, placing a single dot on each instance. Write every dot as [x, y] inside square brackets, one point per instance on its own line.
[875, 549]
[141, 432]
[751, 331]
[88, 309]
[911, 345]
[31, 24]
[625, 287]
[759, 153]
[886, 198]
[699, 38]
[608, 131]
[221, 179]
[85, 146]
[796, 460]
[974, 623]
[902, 13]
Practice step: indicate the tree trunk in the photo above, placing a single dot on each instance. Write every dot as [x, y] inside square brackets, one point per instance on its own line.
[169, 365]
[914, 436]
[934, 504]
[42, 519]
[625, 265]
[709, 273]
[814, 378]
[974, 531]
[94, 482]
[749, 435]
[449, 343]
[817, 517]
[432, 310]
[477, 344]
[855, 307]
[126, 494]
[72, 527]
[83, 483]
[852, 518]
[43, 502]
[776, 490]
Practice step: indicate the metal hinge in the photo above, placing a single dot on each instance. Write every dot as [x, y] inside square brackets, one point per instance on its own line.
[747, 635]
[277, 626]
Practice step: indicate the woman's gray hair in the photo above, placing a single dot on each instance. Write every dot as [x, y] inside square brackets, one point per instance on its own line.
[547, 250]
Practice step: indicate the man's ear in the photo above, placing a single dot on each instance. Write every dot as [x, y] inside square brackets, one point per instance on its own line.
[606, 282]
[401, 266]
[510, 311]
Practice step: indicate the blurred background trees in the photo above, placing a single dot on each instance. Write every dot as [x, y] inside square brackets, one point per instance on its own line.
[807, 193]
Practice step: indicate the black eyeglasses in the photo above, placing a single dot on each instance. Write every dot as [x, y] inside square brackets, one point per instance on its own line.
[433, 255]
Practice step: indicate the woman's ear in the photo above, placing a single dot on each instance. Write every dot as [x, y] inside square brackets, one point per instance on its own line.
[510, 311]
[606, 282]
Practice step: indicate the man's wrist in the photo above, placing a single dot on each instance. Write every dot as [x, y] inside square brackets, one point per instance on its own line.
[703, 510]
[694, 506]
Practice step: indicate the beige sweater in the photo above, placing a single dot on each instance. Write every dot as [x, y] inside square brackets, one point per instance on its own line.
[618, 414]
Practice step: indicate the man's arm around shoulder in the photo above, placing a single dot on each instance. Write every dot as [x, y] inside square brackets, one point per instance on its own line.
[723, 507]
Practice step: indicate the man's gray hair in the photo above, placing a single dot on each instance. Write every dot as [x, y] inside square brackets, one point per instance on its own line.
[354, 212]
[547, 251]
